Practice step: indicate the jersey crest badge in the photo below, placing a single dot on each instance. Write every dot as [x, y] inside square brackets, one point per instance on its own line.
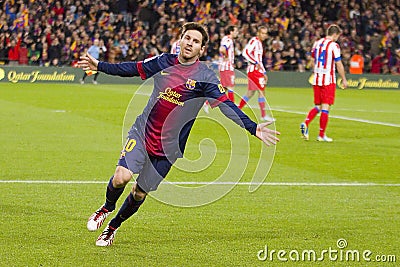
[190, 84]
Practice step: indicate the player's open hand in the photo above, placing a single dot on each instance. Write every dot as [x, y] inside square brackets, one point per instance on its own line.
[87, 62]
[267, 135]
[344, 83]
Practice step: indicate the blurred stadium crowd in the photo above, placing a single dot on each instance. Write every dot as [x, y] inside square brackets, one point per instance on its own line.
[57, 32]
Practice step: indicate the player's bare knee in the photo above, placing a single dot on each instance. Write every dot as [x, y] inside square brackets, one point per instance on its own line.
[122, 176]
[325, 106]
[138, 193]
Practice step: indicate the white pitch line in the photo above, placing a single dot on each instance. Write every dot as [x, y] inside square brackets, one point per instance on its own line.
[343, 118]
[369, 111]
[204, 183]
[281, 183]
[50, 182]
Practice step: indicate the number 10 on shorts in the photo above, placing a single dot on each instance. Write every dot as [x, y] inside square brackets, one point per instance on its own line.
[130, 144]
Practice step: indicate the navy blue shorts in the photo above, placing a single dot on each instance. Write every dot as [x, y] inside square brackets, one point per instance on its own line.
[152, 170]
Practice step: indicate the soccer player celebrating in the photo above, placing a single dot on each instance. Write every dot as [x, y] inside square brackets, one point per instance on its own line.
[158, 136]
[326, 54]
[227, 55]
[256, 73]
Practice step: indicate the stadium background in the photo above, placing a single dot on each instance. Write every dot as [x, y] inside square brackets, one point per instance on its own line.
[57, 32]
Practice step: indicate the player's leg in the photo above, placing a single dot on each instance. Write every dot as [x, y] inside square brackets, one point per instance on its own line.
[153, 172]
[95, 77]
[231, 94]
[310, 117]
[251, 88]
[259, 84]
[317, 108]
[131, 205]
[83, 78]
[249, 94]
[131, 161]
[262, 102]
[227, 78]
[328, 97]
[312, 113]
[323, 123]
[115, 188]
[230, 85]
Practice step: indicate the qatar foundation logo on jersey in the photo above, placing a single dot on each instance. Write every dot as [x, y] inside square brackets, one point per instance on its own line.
[171, 96]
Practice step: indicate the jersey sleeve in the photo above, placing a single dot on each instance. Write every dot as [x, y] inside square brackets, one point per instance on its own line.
[145, 69]
[216, 95]
[213, 89]
[336, 52]
[226, 43]
[313, 50]
[247, 52]
[230, 110]
[125, 69]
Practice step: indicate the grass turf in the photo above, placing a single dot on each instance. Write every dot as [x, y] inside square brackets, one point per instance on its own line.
[73, 133]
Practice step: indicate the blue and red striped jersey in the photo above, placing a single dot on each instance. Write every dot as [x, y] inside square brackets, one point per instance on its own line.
[179, 93]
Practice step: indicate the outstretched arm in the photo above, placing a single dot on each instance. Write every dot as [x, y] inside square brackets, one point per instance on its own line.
[124, 69]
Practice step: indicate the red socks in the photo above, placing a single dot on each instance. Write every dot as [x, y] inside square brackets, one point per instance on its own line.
[261, 103]
[311, 115]
[323, 122]
[231, 95]
[243, 101]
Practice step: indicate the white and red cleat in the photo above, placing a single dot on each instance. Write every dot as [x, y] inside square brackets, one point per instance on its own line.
[107, 237]
[324, 139]
[96, 220]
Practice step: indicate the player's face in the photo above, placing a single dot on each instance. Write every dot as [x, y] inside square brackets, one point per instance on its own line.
[263, 34]
[235, 33]
[191, 47]
[335, 37]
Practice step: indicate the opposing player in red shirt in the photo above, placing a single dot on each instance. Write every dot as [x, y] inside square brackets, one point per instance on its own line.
[227, 56]
[327, 57]
[256, 73]
[175, 48]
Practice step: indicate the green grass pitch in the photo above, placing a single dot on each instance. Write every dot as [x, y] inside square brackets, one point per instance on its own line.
[314, 195]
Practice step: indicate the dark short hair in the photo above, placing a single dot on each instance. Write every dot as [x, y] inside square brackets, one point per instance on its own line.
[229, 29]
[332, 29]
[197, 27]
